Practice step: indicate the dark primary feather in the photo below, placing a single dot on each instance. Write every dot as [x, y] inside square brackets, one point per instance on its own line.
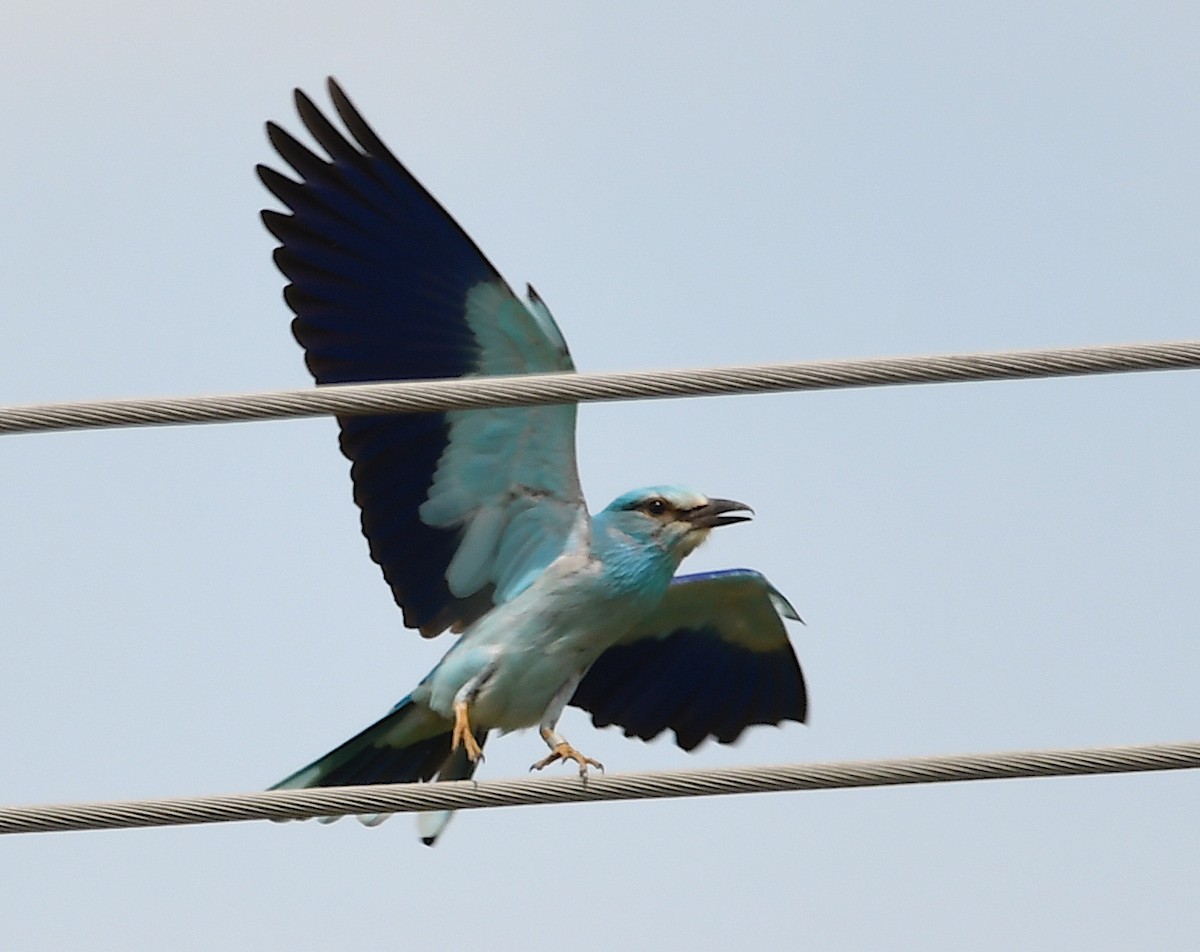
[379, 275]
[713, 660]
[693, 683]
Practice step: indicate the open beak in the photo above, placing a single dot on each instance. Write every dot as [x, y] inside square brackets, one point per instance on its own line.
[716, 513]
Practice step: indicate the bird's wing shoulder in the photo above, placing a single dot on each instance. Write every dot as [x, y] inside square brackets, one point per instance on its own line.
[711, 660]
[462, 508]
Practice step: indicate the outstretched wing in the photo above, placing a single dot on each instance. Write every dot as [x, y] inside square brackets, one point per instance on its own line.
[461, 509]
[713, 659]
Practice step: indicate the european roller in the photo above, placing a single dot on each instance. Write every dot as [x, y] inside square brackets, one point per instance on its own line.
[477, 518]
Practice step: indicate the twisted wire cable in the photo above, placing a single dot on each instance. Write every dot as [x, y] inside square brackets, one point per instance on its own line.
[466, 795]
[536, 389]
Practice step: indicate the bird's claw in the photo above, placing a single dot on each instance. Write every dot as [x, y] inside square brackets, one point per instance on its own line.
[464, 736]
[565, 751]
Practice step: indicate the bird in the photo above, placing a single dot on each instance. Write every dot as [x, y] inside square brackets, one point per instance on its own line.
[477, 518]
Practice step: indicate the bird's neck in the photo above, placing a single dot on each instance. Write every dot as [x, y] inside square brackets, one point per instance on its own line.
[632, 565]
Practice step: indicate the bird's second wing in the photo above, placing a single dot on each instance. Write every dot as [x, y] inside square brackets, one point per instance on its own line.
[713, 659]
[461, 509]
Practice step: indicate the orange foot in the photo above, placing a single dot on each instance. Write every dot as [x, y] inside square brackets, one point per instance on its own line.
[463, 734]
[565, 751]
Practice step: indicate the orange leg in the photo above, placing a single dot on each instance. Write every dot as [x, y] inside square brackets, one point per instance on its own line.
[561, 750]
[463, 735]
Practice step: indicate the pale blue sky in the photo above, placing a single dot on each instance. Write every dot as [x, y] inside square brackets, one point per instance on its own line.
[986, 566]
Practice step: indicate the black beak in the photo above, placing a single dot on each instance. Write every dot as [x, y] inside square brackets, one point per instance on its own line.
[714, 513]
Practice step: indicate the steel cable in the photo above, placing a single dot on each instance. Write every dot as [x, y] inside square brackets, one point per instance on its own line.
[466, 795]
[536, 389]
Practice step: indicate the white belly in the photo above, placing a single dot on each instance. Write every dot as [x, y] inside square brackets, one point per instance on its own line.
[522, 653]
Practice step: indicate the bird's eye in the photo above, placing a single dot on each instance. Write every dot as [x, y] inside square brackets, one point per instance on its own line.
[656, 507]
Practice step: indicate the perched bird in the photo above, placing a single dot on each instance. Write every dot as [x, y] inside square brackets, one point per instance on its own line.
[477, 517]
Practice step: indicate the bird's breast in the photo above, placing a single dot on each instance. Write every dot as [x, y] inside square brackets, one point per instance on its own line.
[534, 645]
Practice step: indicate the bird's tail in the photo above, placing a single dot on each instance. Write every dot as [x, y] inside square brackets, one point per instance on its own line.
[409, 744]
[458, 766]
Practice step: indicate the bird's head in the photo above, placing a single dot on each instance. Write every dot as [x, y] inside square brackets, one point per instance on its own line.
[675, 520]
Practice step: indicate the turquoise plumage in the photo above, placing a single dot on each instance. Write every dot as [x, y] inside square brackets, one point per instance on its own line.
[477, 518]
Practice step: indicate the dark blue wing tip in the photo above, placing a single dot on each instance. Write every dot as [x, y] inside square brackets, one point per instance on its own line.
[693, 683]
[377, 274]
